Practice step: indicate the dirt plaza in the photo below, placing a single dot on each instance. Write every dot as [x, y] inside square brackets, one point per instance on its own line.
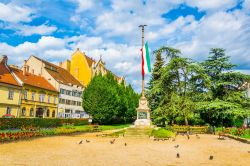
[66, 150]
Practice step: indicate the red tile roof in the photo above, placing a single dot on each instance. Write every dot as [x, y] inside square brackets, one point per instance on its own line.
[33, 80]
[60, 74]
[5, 74]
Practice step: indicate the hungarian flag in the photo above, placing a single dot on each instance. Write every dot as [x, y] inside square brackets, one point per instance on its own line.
[145, 60]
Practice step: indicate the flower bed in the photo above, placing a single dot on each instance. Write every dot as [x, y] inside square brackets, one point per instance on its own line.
[240, 132]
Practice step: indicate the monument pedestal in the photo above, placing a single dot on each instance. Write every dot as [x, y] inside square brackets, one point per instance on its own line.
[143, 114]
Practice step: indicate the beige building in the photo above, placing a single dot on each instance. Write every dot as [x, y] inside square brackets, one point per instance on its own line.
[70, 89]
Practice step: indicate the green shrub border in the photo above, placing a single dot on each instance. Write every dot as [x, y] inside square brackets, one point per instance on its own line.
[18, 123]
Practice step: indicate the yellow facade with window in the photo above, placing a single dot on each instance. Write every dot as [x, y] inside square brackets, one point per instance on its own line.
[9, 99]
[37, 102]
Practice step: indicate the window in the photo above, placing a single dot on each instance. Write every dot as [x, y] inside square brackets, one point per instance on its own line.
[23, 111]
[73, 102]
[33, 96]
[48, 112]
[11, 94]
[79, 103]
[48, 99]
[31, 112]
[41, 97]
[25, 95]
[62, 91]
[62, 101]
[53, 113]
[54, 99]
[68, 102]
[68, 92]
[8, 111]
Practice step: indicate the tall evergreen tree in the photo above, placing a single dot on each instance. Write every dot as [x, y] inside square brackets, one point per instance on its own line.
[109, 102]
[153, 94]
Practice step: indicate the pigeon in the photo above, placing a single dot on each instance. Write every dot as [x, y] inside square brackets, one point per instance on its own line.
[188, 136]
[177, 155]
[173, 139]
[125, 144]
[176, 146]
[112, 141]
[80, 142]
[197, 136]
[211, 157]
[87, 141]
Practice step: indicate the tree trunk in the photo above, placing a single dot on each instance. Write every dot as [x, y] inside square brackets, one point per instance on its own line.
[186, 121]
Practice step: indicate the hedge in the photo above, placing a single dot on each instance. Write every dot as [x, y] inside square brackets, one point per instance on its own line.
[18, 123]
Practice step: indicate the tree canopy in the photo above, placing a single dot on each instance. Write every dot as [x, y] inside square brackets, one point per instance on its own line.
[109, 102]
[207, 92]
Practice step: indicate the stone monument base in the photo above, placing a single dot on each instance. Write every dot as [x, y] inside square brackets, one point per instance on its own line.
[142, 123]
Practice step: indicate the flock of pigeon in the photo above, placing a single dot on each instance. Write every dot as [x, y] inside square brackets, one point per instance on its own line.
[111, 142]
[211, 157]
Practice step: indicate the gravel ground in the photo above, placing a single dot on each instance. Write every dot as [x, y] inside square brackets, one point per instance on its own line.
[65, 150]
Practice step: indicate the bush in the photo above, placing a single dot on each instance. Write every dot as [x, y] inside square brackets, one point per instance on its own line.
[162, 133]
[18, 123]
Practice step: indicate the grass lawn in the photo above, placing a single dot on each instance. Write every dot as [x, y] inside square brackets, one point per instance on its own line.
[162, 133]
[113, 127]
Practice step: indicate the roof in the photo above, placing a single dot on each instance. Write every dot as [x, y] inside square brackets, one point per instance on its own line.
[5, 74]
[33, 80]
[90, 61]
[60, 74]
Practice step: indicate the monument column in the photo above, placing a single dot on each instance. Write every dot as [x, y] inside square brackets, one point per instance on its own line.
[143, 111]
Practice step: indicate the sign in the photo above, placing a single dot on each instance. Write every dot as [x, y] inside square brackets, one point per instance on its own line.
[142, 115]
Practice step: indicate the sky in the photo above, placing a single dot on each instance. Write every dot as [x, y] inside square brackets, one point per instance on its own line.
[54, 29]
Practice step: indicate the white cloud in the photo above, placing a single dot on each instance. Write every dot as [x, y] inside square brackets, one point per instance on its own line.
[83, 5]
[220, 29]
[13, 13]
[27, 30]
[212, 4]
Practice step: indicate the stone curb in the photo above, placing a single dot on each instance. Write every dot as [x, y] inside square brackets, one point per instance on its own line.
[243, 140]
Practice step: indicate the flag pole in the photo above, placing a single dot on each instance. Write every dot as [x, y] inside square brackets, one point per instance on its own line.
[142, 40]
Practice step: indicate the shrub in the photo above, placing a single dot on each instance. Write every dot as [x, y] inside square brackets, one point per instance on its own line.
[162, 133]
[18, 123]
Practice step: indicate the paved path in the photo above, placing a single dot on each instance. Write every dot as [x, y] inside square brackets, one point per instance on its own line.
[65, 150]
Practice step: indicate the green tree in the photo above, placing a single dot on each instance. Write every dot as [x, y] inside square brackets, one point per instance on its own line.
[181, 80]
[109, 102]
[154, 95]
[227, 101]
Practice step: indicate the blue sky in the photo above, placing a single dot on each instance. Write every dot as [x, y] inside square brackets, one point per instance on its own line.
[54, 29]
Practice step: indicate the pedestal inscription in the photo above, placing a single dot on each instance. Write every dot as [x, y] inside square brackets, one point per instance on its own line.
[143, 113]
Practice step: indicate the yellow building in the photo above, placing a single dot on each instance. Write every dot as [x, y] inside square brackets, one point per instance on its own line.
[9, 90]
[84, 68]
[39, 98]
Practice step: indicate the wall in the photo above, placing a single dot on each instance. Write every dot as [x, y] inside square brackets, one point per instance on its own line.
[4, 101]
[79, 68]
[29, 103]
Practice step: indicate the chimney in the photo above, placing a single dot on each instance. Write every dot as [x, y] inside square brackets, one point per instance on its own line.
[24, 67]
[4, 59]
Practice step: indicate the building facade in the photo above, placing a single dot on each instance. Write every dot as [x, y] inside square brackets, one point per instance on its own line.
[84, 68]
[39, 98]
[70, 89]
[10, 90]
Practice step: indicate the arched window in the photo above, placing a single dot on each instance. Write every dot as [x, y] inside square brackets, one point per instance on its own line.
[23, 111]
[31, 112]
[53, 113]
[48, 112]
